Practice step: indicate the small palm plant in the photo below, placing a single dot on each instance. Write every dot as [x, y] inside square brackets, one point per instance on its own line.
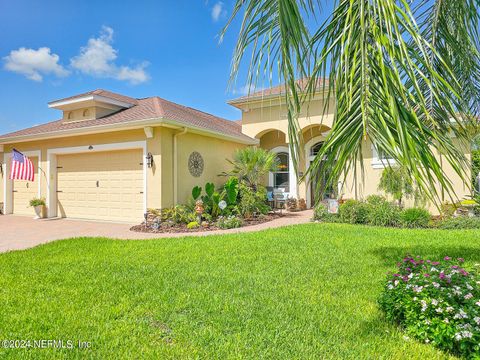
[251, 165]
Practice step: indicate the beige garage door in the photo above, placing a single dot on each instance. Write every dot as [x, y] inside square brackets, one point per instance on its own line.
[101, 185]
[24, 191]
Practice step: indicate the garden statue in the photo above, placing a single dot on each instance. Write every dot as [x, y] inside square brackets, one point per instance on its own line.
[199, 209]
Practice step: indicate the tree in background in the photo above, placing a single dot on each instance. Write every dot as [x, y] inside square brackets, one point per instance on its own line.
[399, 72]
[395, 182]
[251, 165]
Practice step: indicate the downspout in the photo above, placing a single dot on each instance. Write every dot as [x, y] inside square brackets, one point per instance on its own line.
[175, 165]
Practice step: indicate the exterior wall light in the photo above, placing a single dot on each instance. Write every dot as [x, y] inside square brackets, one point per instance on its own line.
[149, 159]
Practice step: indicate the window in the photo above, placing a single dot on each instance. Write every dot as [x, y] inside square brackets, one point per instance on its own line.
[316, 148]
[70, 115]
[380, 159]
[281, 176]
[86, 113]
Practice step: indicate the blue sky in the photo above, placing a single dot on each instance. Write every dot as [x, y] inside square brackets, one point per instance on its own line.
[54, 49]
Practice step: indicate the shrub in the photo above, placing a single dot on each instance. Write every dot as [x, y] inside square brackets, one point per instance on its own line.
[179, 214]
[252, 203]
[376, 199]
[415, 218]
[353, 212]
[447, 210]
[229, 222]
[37, 202]
[383, 214]
[435, 302]
[193, 225]
[321, 213]
[461, 222]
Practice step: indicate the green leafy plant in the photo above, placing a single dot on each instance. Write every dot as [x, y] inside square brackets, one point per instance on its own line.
[321, 213]
[435, 302]
[178, 214]
[415, 218]
[383, 214]
[231, 190]
[229, 222]
[251, 165]
[396, 182]
[196, 192]
[193, 225]
[353, 212]
[252, 202]
[460, 222]
[37, 202]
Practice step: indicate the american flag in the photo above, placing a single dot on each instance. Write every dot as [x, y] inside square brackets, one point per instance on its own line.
[22, 167]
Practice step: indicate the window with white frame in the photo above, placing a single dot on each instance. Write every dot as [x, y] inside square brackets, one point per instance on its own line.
[380, 158]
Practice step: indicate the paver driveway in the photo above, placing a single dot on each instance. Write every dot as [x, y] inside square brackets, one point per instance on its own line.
[21, 232]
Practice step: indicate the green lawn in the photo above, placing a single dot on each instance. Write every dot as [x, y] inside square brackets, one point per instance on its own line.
[307, 291]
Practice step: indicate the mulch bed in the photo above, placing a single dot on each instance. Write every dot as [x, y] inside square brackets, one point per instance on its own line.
[167, 227]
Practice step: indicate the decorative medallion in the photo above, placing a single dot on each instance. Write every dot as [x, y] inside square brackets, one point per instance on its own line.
[195, 164]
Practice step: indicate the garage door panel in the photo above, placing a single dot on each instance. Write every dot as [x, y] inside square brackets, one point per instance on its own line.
[103, 186]
[24, 191]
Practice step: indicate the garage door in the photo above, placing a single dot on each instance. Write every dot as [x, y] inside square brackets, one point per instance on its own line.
[24, 191]
[101, 185]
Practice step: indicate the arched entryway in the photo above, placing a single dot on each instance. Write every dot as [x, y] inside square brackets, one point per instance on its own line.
[316, 182]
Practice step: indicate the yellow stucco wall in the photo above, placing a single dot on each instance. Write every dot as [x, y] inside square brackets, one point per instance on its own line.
[214, 153]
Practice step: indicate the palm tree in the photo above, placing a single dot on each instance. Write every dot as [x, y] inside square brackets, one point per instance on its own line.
[404, 74]
[252, 164]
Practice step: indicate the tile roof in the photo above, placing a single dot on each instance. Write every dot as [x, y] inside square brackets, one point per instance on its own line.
[101, 92]
[144, 109]
[278, 90]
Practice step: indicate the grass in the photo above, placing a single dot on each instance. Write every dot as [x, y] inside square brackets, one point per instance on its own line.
[306, 291]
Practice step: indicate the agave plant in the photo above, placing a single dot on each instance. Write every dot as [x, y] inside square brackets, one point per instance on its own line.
[403, 74]
[251, 165]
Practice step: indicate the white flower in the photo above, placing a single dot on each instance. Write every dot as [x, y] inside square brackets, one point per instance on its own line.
[477, 320]
[434, 302]
[424, 305]
[428, 322]
[467, 334]
[469, 287]
[406, 338]
[461, 315]
[395, 282]
[434, 269]
[458, 336]
[415, 298]
[449, 308]
[390, 286]
[457, 292]
[446, 321]
[417, 289]
[435, 284]
[439, 310]
[468, 296]
[477, 303]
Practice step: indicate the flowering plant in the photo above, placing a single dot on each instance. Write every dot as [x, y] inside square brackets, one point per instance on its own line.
[437, 302]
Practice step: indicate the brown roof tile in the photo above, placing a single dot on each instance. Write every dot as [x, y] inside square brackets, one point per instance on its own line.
[278, 90]
[145, 109]
[100, 92]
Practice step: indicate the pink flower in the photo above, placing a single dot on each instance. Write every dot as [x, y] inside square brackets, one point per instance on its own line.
[446, 258]
[426, 275]
[461, 259]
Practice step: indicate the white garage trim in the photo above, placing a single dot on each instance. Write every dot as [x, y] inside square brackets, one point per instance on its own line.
[7, 183]
[52, 167]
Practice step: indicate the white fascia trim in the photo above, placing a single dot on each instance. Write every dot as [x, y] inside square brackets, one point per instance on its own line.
[51, 153]
[7, 183]
[98, 98]
[136, 124]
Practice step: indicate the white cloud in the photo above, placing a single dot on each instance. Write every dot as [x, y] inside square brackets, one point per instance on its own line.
[34, 63]
[248, 89]
[218, 11]
[98, 57]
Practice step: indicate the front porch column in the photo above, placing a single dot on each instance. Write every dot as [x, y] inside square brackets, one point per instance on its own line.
[7, 185]
[292, 175]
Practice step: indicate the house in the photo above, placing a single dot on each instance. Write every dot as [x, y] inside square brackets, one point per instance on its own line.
[110, 156]
[264, 117]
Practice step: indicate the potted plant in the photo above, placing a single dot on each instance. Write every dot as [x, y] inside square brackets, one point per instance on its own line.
[38, 204]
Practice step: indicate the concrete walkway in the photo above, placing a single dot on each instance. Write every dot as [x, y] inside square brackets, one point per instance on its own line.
[20, 232]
